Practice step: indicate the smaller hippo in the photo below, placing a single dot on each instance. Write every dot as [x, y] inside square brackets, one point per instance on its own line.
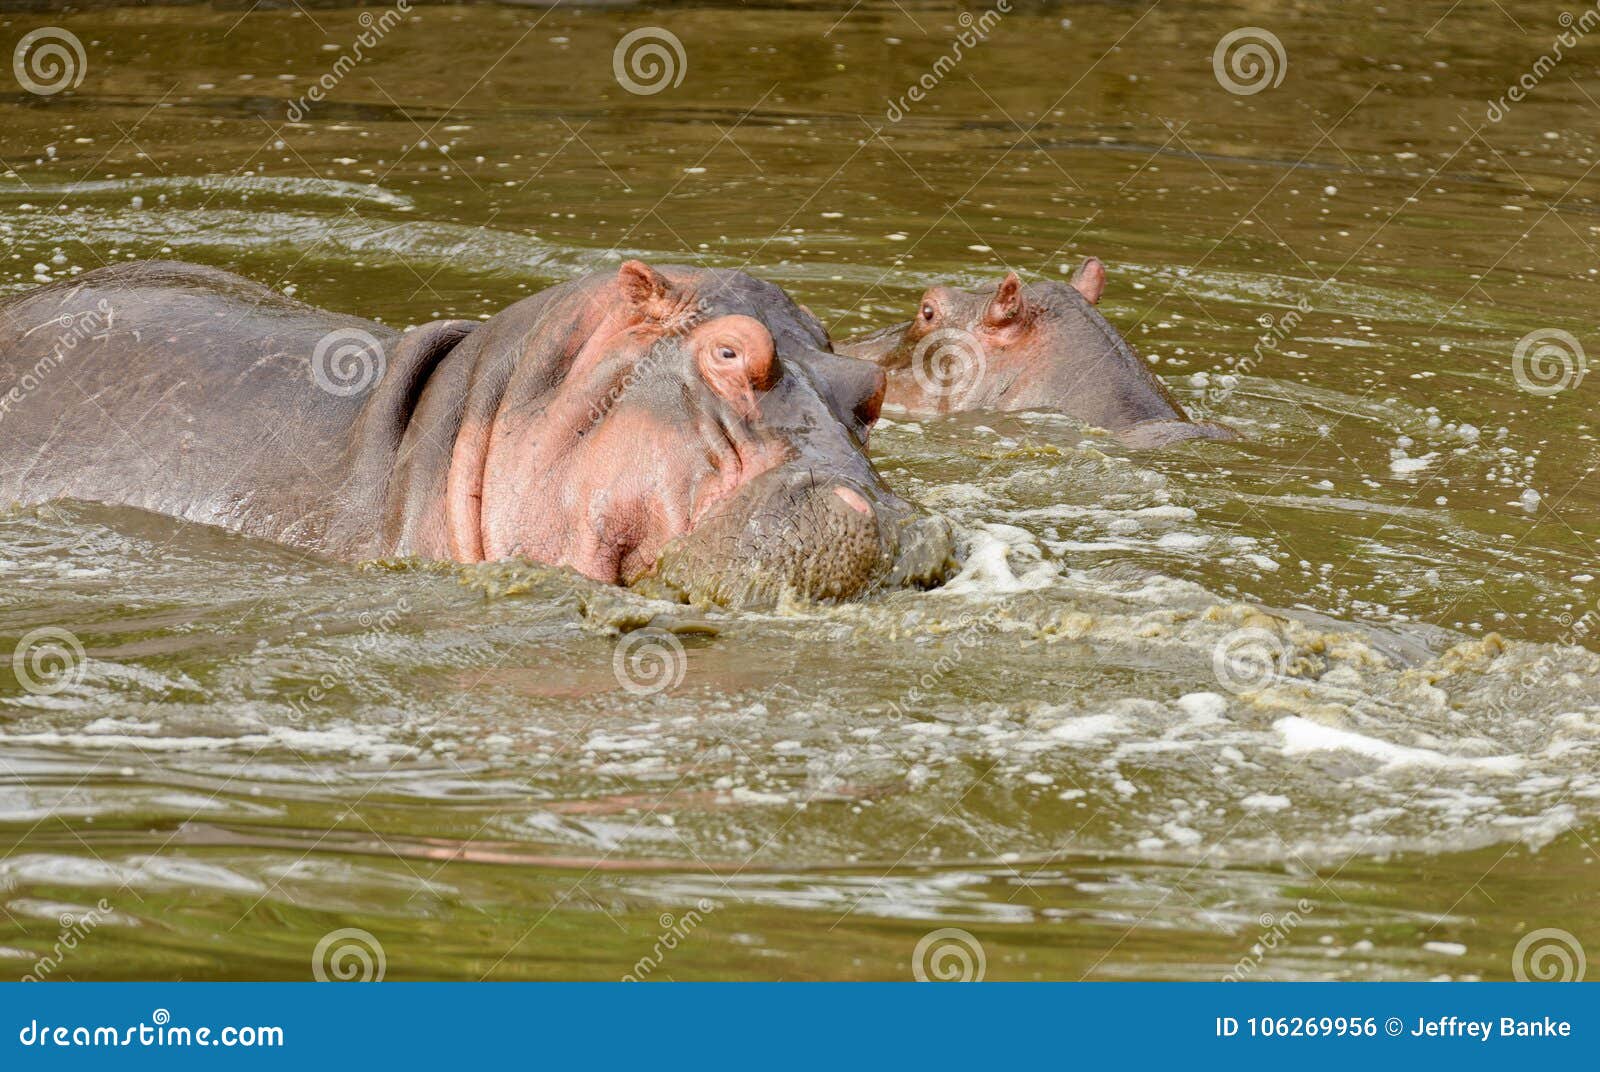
[1040, 347]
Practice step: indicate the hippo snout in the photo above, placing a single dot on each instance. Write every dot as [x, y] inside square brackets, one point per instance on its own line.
[808, 535]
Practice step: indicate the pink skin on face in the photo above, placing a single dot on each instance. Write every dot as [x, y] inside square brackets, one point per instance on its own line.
[603, 487]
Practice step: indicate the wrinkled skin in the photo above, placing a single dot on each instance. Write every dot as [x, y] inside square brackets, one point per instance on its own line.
[681, 429]
[1015, 347]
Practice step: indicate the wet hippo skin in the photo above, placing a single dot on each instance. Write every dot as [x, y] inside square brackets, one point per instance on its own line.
[1039, 347]
[683, 428]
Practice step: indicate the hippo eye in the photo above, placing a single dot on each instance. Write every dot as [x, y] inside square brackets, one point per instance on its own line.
[927, 311]
[727, 353]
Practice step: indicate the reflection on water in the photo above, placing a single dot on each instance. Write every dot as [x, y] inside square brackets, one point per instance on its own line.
[1321, 704]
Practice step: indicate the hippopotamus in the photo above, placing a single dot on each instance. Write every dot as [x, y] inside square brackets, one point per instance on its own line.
[1016, 347]
[680, 429]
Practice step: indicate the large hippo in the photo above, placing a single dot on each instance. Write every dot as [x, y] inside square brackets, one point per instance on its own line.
[1040, 347]
[679, 427]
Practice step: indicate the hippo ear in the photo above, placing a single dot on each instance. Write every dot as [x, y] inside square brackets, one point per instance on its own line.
[645, 289]
[1090, 280]
[1006, 305]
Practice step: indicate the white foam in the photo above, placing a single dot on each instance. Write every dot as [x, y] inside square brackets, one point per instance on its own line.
[1088, 728]
[1302, 736]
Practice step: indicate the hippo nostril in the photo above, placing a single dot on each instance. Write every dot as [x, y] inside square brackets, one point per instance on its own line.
[853, 499]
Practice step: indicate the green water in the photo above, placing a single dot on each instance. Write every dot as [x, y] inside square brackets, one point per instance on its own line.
[256, 749]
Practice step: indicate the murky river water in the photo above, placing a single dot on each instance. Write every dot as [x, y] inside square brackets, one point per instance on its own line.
[1321, 704]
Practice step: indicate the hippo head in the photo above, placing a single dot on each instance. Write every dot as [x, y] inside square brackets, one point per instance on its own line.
[685, 430]
[1016, 347]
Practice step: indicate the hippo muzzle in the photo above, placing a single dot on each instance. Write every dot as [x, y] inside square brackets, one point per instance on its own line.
[804, 534]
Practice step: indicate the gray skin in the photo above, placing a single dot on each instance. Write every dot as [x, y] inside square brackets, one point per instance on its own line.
[1040, 347]
[680, 429]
